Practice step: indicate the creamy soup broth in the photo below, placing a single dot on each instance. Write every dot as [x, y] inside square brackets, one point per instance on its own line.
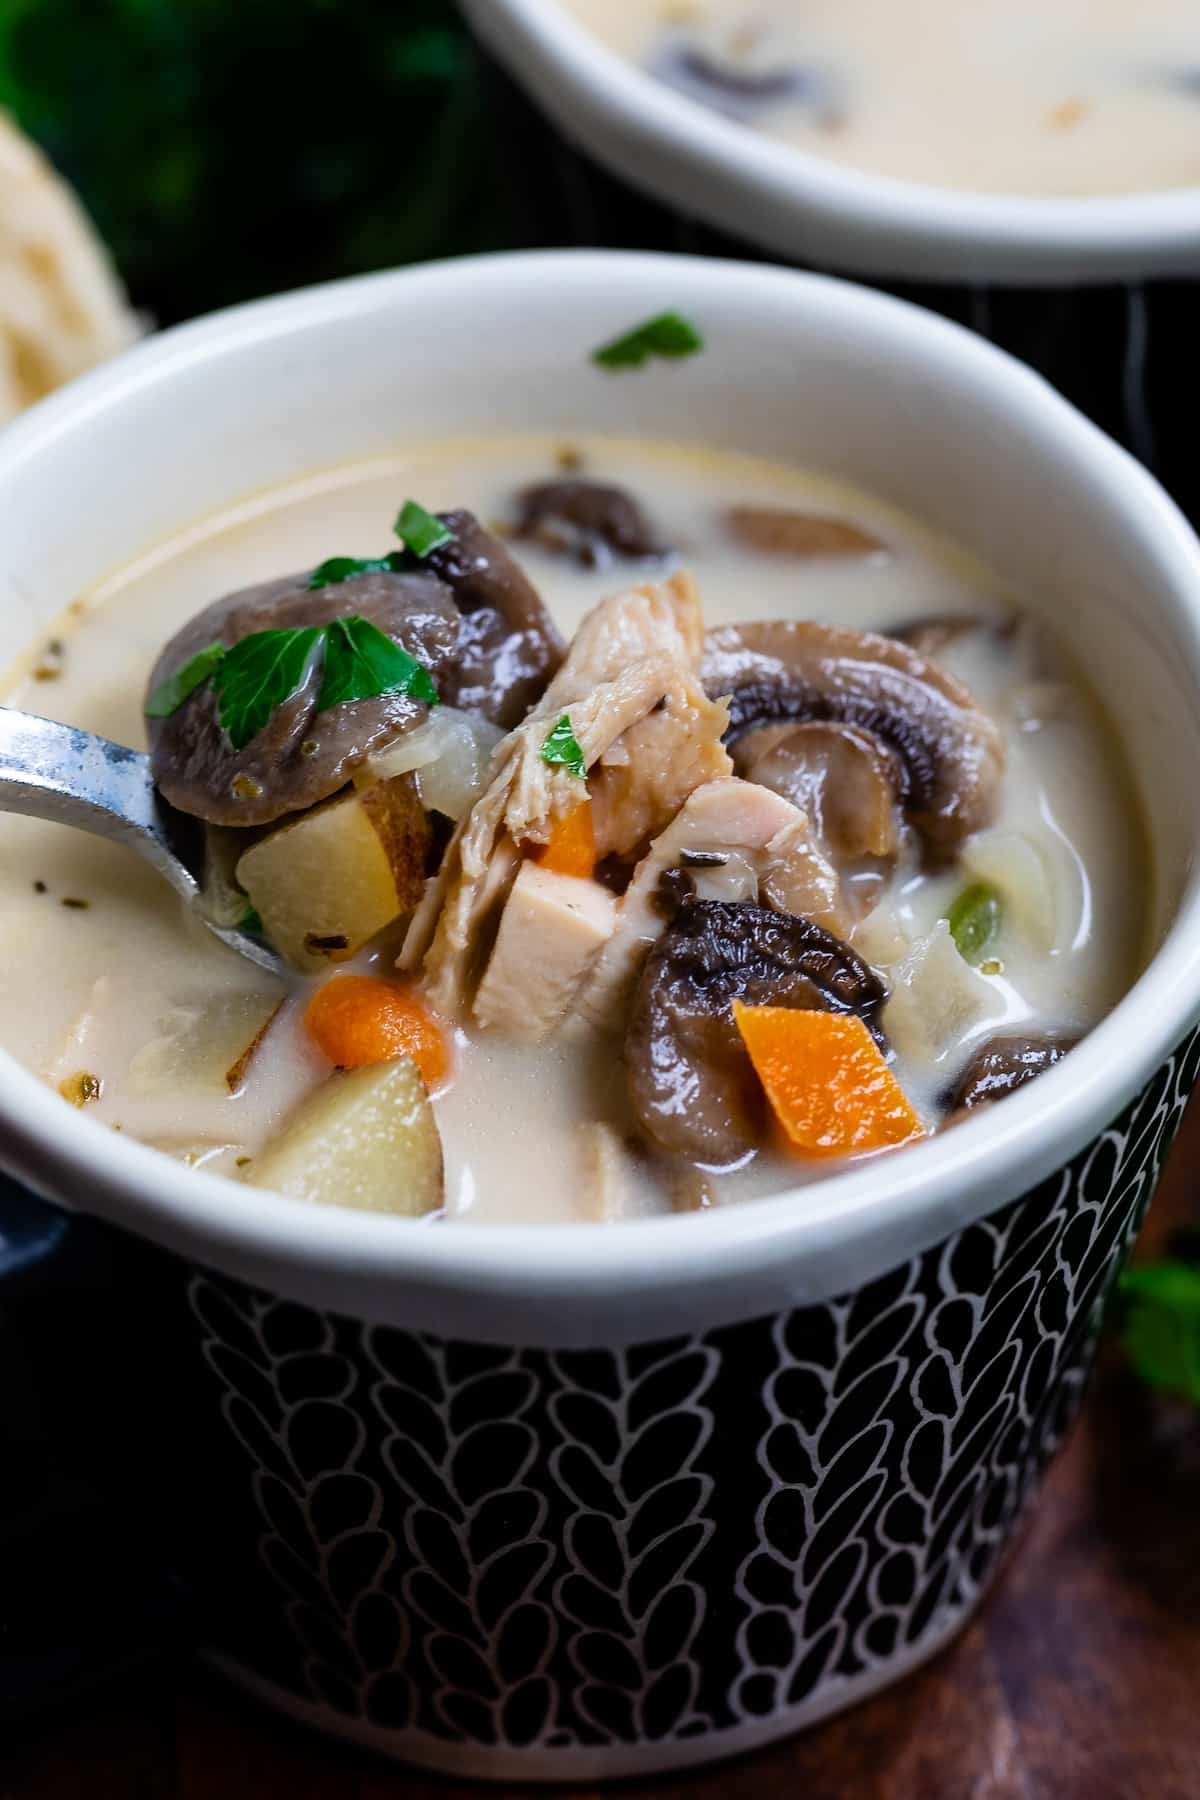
[1067, 97]
[103, 972]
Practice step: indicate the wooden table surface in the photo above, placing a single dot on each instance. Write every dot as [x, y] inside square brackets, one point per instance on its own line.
[1079, 1680]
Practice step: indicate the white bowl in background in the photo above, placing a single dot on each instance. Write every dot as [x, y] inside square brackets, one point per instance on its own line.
[809, 210]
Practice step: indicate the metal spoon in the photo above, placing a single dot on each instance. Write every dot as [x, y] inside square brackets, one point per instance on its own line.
[70, 777]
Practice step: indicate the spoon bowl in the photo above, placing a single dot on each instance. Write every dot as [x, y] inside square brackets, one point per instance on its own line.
[72, 777]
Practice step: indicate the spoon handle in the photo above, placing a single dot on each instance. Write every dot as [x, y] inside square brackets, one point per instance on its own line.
[70, 777]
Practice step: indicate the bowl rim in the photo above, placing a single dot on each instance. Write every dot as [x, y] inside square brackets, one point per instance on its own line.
[807, 1242]
[800, 205]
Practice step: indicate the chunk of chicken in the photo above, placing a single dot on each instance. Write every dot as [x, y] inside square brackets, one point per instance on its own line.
[742, 842]
[630, 660]
[551, 931]
[659, 618]
[606, 1176]
[523, 797]
[646, 776]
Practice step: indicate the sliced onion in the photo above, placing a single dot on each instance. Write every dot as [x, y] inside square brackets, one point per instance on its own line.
[1018, 868]
[450, 753]
[935, 998]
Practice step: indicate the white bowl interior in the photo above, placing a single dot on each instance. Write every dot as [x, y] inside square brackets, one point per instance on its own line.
[795, 367]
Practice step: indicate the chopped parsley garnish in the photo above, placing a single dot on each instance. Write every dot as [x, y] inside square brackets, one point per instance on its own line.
[562, 746]
[974, 920]
[170, 695]
[259, 674]
[264, 670]
[1162, 1325]
[362, 662]
[251, 921]
[341, 568]
[421, 531]
[668, 334]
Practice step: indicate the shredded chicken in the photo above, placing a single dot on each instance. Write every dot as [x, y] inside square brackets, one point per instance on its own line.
[762, 849]
[649, 773]
[635, 709]
[659, 618]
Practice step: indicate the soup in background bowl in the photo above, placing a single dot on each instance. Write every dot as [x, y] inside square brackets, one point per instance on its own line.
[1059, 99]
[516, 1500]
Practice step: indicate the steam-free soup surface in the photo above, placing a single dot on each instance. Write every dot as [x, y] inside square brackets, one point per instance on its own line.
[1063, 97]
[103, 973]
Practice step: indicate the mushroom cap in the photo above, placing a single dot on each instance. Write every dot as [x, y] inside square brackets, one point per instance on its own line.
[509, 646]
[300, 756]
[1003, 1065]
[949, 753]
[691, 1082]
[844, 779]
[592, 521]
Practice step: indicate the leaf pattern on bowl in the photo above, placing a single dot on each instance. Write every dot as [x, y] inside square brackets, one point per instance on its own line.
[569, 1559]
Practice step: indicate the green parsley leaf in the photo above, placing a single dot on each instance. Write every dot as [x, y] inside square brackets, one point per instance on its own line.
[170, 695]
[251, 921]
[259, 674]
[562, 746]
[668, 334]
[421, 531]
[1162, 1325]
[361, 662]
[341, 568]
[974, 920]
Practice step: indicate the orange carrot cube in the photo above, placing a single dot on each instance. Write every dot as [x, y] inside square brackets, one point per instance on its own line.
[826, 1080]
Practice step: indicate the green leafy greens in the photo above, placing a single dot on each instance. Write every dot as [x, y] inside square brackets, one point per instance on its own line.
[421, 532]
[667, 334]
[1162, 1325]
[258, 674]
[974, 920]
[341, 568]
[362, 662]
[562, 746]
[264, 670]
[170, 695]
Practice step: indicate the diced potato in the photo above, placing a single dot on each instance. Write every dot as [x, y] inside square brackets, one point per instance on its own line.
[326, 883]
[206, 1046]
[366, 1138]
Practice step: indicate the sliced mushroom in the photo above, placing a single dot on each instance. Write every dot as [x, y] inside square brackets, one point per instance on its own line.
[1003, 1065]
[738, 89]
[949, 754]
[844, 778]
[781, 531]
[301, 756]
[691, 1082]
[509, 646]
[591, 521]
